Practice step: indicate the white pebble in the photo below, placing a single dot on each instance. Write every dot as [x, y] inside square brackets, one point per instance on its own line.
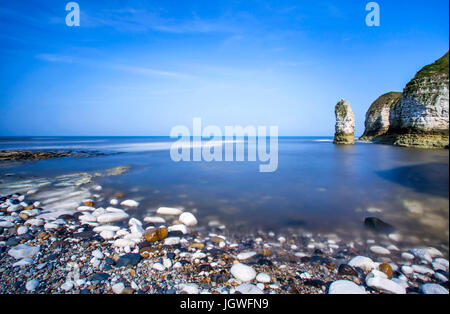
[188, 219]
[189, 288]
[158, 267]
[23, 251]
[130, 203]
[155, 220]
[362, 262]
[380, 250]
[108, 235]
[172, 241]
[431, 288]
[31, 285]
[407, 256]
[423, 270]
[67, 286]
[386, 285]
[434, 252]
[182, 228]
[247, 288]
[263, 277]
[169, 211]
[112, 217]
[98, 254]
[345, 287]
[245, 255]
[443, 262]
[407, 270]
[118, 288]
[85, 208]
[243, 272]
[422, 254]
[22, 230]
[167, 262]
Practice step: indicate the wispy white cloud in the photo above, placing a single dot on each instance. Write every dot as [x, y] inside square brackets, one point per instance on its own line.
[293, 63]
[133, 69]
[143, 20]
[232, 39]
[334, 10]
[54, 58]
[150, 72]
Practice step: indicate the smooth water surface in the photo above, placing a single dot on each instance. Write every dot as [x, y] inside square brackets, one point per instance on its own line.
[318, 186]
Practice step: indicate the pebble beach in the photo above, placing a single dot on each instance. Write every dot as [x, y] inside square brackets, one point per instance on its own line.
[68, 236]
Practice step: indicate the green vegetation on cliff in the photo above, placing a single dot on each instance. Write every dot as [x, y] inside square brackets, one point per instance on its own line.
[388, 98]
[440, 67]
[437, 71]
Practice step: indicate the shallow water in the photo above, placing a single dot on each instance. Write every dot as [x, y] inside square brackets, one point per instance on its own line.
[318, 186]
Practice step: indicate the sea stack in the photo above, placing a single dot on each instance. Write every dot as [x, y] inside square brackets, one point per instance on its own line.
[345, 124]
[419, 117]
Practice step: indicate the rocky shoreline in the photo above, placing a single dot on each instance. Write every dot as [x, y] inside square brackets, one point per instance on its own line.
[20, 155]
[98, 250]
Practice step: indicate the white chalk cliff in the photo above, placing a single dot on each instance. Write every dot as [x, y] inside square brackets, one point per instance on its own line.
[419, 118]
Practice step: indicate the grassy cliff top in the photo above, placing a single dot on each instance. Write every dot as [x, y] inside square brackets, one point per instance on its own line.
[439, 67]
[383, 100]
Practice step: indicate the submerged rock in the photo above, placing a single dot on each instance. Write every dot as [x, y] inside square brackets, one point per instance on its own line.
[345, 124]
[128, 259]
[347, 270]
[37, 155]
[377, 225]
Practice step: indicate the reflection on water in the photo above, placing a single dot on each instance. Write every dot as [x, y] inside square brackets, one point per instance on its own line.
[423, 178]
[318, 186]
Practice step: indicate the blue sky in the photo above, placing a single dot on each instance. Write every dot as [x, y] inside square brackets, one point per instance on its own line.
[142, 67]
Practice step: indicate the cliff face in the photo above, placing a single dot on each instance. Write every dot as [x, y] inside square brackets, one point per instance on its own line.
[420, 117]
[378, 116]
[345, 124]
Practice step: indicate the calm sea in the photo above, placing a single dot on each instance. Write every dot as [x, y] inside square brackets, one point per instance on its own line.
[318, 186]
